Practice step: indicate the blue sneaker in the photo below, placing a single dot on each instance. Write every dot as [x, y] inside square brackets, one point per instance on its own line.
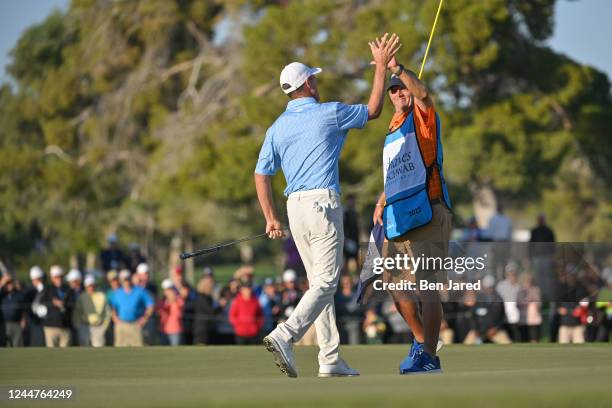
[415, 348]
[407, 363]
[424, 364]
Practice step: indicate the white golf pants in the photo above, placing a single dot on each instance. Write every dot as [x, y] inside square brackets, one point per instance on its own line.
[315, 219]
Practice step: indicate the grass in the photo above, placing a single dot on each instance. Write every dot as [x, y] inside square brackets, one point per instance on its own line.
[485, 376]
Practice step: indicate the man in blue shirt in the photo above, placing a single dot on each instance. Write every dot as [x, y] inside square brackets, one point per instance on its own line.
[132, 308]
[305, 142]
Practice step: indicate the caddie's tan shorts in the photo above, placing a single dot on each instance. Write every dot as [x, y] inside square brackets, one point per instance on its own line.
[428, 241]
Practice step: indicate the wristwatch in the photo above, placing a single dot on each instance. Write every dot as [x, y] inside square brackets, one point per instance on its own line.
[399, 71]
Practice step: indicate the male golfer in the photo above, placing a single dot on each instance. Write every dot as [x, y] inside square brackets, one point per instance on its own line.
[305, 142]
[414, 210]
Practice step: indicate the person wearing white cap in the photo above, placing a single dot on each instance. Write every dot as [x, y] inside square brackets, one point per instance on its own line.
[508, 289]
[143, 278]
[74, 279]
[36, 275]
[290, 294]
[132, 307]
[58, 299]
[91, 315]
[142, 268]
[56, 271]
[36, 337]
[305, 142]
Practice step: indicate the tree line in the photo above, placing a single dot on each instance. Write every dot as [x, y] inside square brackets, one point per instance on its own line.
[146, 117]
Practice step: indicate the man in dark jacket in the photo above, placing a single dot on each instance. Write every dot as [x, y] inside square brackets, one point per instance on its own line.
[541, 251]
[58, 299]
[112, 257]
[34, 335]
[13, 313]
[204, 318]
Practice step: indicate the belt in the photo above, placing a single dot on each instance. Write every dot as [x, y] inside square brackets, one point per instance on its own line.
[297, 195]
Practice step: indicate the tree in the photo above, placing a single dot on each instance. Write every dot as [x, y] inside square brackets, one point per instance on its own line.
[513, 110]
[146, 117]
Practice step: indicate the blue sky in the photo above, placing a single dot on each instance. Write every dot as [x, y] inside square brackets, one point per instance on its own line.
[582, 28]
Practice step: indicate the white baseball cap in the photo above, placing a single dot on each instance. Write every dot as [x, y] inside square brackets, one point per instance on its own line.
[36, 273]
[73, 274]
[89, 280]
[289, 276]
[167, 284]
[142, 268]
[125, 274]
[294, 75]
[56, 271]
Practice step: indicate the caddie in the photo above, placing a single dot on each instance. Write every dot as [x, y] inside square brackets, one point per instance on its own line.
[414, 210]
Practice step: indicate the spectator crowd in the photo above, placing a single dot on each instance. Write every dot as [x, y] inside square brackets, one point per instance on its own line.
[530, 301]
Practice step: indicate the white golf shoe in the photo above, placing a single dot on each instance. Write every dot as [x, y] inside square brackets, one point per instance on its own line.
[340, 369]
[283, 354]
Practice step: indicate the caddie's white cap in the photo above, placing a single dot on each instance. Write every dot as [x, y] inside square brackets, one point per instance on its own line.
[294, 75]
[89, 280]
[55, 271]
[167, 284]
[289, 276]
[142, 268]
[36, 273]
[73, 274]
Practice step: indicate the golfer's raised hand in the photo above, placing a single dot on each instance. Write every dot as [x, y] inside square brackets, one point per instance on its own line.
[384, 49]
[274, 229]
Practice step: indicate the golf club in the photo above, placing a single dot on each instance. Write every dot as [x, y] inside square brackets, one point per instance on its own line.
[218, 247]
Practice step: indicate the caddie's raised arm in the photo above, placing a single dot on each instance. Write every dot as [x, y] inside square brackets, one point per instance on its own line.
[412, 83]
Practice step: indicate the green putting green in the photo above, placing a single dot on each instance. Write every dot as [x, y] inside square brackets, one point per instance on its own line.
[486, 376]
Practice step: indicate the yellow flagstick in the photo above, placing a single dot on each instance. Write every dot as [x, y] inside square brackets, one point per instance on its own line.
[433, 28]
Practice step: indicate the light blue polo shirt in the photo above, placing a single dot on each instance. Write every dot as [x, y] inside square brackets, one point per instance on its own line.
[305, 142]
[131, 306]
